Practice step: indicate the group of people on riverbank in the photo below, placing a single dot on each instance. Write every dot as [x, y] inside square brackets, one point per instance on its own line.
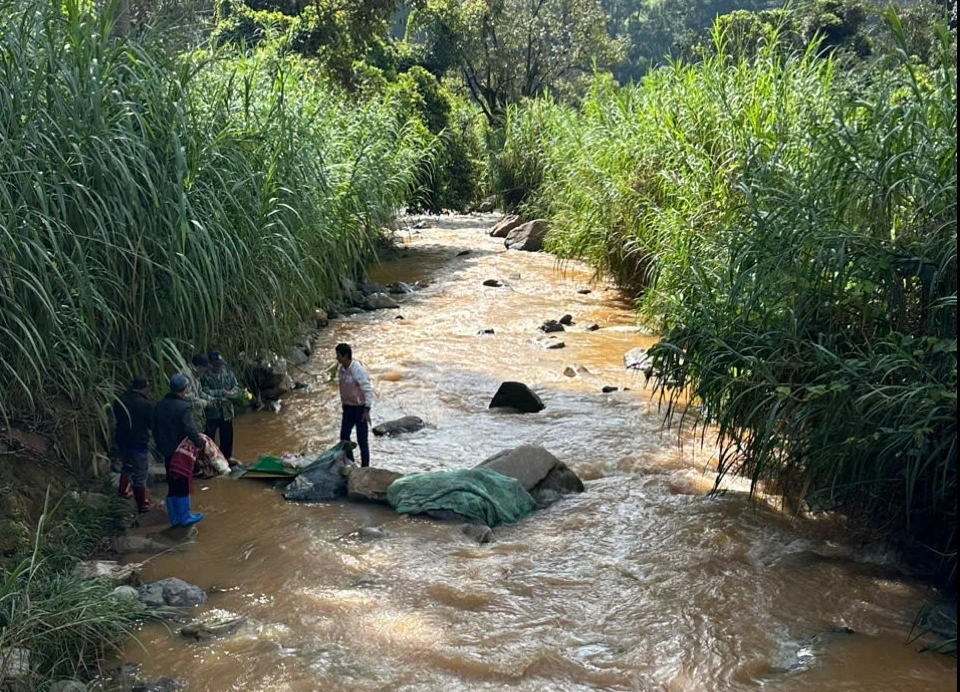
[204, 399]
[201, 400]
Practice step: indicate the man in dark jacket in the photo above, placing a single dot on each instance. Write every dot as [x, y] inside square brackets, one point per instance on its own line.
[172, 422]
[133, 412]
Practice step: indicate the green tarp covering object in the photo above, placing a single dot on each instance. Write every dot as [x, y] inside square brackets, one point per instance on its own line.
[272, 467]
[480, 494]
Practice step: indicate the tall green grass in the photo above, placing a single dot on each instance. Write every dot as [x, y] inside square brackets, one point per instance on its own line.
[793, 231]
[66, 623]
[150, 205]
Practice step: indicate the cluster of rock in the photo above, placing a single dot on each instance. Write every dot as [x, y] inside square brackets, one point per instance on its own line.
[520, 235]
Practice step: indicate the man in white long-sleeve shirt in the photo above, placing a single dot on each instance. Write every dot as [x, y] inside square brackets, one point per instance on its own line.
[356, 395]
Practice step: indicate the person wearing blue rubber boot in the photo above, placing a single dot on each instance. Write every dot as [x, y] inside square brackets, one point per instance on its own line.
[173, 424]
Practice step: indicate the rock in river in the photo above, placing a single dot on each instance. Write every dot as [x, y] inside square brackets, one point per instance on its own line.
[517, 395]
[370, 484]
[398, 426]
[541, 474]
[528, 237]
[172, 592]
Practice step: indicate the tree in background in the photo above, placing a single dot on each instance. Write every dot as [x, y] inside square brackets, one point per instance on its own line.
[508, 50]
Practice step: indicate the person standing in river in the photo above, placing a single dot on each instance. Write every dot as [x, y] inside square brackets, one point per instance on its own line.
[133, 413]
[218, 385]
[356, 397]
[173, 422]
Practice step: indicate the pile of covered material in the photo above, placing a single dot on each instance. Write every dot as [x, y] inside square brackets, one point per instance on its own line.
[477, 494]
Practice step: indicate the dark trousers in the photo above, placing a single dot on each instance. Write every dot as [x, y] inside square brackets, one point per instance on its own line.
[226, 434]
[136, 464]
[353, 416]
[177, 486]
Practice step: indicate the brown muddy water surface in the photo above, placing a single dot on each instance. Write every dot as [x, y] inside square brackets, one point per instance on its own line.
[640, 583]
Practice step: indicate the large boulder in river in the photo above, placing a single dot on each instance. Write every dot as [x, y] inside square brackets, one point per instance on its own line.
[370, 484]
[518, 396]
[505, 225]
[542, 475]
[528, 237]
[398, 426]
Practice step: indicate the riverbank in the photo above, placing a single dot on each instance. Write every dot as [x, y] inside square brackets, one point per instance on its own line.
[642, 581]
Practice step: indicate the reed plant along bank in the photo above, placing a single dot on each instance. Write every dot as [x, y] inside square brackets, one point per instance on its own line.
[792, 229]
[152, 204]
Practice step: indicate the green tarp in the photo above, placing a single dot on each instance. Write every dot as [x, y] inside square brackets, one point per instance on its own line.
[479, 494]
[271, 467]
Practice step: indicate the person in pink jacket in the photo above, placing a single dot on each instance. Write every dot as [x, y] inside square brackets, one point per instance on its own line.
[356, 396]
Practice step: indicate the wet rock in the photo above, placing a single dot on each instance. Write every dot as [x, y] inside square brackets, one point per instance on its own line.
[349, 311]
[593, 327]
[584, 291]
[479, 533]
[300, 385]
[67, 686]
[420, 225]
[268, 371]
[544, 476]
[575, 370]
[463, 253]
[399, 317]
[551, 326]
[560, 481]
[399, 288]
[380, 301]
[518, 396]
[212, 627]
[365, 534]
[399, 426]
[550, 343]
[128, 545]
[370, 484]
[492, 283]
[504, 226]
[110, 571]
[566, 320]
[608, 388]
[320, 318]
[125, 593]
[369, 288]
[297, 356]
[171, 592]
[180, 534]
[273, 393]
[321, 483]
[488, 330]
[636, 359]
[527, 237]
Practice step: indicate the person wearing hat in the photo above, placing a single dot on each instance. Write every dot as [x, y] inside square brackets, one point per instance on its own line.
[217, 386]
[199, 366]
[172, 423]
[133, 413]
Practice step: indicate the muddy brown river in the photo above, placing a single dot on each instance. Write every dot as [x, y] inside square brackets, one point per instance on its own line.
[643, 582]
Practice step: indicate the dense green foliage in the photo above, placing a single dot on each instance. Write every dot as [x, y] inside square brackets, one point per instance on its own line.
[793, 231]
[150, 205]
[66, 623]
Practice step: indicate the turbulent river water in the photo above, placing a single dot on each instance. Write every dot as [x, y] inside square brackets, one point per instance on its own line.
[643, 582]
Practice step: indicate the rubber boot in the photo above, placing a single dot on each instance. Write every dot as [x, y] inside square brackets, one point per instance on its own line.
[173, 512]
[143, 502]
[184, 515]
[123, 490]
